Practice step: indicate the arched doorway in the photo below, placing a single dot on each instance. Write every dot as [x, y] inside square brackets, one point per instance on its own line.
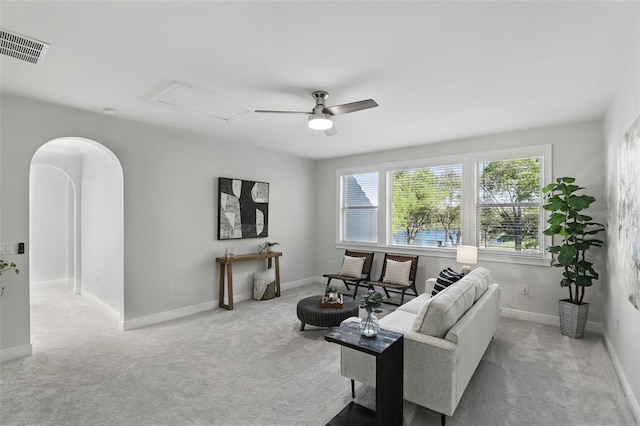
[76, 220]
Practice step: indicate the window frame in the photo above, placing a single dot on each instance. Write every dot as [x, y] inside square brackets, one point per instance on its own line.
[469, 200]
[340, 193]
[543, 151]
[388, 170]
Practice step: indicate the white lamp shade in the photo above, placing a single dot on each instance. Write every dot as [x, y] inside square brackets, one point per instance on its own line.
[320, 122]
[467, 255]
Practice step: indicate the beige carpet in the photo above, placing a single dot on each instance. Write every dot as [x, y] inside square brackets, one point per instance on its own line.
[251, 366]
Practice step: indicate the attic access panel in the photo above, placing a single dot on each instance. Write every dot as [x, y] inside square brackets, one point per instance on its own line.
[191, 99]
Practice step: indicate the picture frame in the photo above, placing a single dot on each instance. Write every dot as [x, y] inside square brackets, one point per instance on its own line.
[243, 209]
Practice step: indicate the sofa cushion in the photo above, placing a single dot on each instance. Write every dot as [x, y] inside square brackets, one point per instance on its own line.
[413, 306]
[446, 277]
[445, 309]
[397, 272]
[398, 321]
[352, 266]
[481, 278]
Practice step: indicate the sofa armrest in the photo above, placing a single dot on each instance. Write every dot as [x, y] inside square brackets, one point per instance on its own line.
[429, 284]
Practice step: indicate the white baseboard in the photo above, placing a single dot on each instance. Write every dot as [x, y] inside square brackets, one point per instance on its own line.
[195, 309]
[16, 352]
[93, 299]
[628, 391]
[63, 281]
[169, 315]
[305, 281]
[553, 320]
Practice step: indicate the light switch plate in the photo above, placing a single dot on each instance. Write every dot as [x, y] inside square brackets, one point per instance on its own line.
[7, 248]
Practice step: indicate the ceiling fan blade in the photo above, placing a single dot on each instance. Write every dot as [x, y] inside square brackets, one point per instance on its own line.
[331, 131]
[262, 111]
[351, 107]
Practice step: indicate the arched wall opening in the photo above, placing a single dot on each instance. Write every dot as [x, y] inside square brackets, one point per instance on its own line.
[76, 219]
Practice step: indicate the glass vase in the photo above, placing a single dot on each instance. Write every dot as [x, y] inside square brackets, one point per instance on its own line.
[369, 326]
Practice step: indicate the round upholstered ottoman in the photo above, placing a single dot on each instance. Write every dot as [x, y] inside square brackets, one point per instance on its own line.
[310, 312]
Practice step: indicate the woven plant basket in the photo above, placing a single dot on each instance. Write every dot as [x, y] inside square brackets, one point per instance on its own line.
[270, 292]
[573, 318]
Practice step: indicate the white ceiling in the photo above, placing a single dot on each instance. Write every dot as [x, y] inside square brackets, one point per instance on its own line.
[438, 70]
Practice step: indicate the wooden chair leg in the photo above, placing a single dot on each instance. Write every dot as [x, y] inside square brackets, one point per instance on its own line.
[355, 291]
[443, 420]
[402, 297]
[386, 292]
[346, 285]
[353, 388]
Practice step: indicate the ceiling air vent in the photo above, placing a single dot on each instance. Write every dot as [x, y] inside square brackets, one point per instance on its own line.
[21, 47]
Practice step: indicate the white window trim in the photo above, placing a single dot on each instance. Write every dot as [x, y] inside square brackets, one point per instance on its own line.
[546, 175]
[339, 197]
[469, 201]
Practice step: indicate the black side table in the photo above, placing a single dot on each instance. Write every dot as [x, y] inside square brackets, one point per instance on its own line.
[388, 348]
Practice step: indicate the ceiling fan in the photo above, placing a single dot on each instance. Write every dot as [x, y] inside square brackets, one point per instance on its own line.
[320, 116]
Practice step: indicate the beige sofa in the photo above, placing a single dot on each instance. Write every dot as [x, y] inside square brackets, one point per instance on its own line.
[445, 337]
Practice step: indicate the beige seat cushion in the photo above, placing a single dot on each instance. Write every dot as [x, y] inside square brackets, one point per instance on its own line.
[397, 321]
[414, 305]
[445, 309]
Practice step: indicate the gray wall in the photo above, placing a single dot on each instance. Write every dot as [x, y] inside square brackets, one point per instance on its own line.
[170, 213]
[578, 150]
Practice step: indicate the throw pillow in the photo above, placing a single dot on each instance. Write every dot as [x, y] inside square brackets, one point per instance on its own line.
[259, 287]
[445, 278]
[397, 272]
[352, 266]
[269, 275]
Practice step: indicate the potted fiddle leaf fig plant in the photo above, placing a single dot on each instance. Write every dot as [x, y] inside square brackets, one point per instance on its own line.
[5, 267]
[577, 235]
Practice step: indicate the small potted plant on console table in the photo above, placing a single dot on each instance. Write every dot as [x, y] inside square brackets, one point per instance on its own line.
[267, 247]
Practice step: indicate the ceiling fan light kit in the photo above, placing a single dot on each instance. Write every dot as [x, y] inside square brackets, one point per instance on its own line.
[320, 122]
[320, 116]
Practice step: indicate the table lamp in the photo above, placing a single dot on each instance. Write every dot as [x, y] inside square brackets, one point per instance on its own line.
[468, 255]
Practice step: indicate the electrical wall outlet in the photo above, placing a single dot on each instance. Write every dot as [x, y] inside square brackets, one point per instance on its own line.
[170, 288]
[525, 289]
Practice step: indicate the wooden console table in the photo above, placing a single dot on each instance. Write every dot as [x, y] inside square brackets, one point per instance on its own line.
[226, 265]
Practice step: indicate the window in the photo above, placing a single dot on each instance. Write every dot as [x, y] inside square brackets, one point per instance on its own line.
[509, 209]
[426, 206]
[360, 207]
[492, 200]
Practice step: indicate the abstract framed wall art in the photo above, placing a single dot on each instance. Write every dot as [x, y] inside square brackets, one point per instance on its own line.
[243, 209]
[629, 213]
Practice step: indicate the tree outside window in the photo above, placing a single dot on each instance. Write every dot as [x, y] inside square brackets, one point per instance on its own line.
[510, 204]
[426, 205]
